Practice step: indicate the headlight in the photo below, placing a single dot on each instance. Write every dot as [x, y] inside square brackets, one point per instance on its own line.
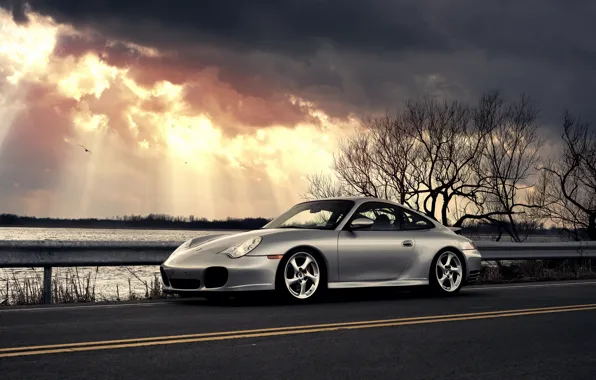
[468, 245]
[242, 249]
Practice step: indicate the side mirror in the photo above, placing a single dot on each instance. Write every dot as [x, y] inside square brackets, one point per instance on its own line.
[361, 223]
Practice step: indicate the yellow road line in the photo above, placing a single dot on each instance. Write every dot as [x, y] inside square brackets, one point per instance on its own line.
[205, 337]
[285, 328]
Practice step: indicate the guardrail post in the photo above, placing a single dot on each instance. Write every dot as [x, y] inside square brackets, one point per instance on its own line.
[47, 285]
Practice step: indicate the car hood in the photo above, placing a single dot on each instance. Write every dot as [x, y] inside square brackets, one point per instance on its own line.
[215, 243]
[220, 242]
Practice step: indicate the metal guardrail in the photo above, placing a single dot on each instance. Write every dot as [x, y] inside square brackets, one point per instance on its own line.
[52, 253]
[494, 251]
[56, 253]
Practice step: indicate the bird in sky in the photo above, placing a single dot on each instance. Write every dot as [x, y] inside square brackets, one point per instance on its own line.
[86, 150]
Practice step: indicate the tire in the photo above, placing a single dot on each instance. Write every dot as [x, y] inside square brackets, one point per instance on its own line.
[308, 283]
[447, 273]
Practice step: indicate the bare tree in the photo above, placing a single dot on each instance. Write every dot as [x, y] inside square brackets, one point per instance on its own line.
[324, 186]
[448, 143]
[506, 164]
[447, 159]
[566, 190]
[376, 162]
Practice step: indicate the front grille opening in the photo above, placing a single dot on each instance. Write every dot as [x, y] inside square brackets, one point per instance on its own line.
[164, 277]
[185, 283]
[215, 277]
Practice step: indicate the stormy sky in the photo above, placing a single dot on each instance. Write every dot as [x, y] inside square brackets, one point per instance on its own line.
[277, 79]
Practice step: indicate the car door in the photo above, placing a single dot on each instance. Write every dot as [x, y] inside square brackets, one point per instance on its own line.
[380, 252]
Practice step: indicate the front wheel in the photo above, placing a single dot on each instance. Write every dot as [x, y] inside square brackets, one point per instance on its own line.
[446, 274]
[300, 276]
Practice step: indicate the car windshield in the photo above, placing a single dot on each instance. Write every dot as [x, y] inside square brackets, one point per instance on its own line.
[320, 215]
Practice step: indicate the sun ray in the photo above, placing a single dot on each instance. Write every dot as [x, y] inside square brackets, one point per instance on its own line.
[152, 150]
[9, 110]
[91, 168]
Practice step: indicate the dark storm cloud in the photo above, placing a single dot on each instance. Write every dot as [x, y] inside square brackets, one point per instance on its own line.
[280, 25]
[349, 55]
[17, 9]
[533, 27]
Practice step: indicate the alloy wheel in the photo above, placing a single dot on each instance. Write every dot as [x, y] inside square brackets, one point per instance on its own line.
[302, 275]
[449, 271]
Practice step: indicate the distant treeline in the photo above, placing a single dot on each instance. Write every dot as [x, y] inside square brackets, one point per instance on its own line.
[151, 221]
[161, 221]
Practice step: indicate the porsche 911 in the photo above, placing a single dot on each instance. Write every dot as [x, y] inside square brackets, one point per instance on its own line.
[326, 244]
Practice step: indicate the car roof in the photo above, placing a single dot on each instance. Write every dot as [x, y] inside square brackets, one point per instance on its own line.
[360, 199]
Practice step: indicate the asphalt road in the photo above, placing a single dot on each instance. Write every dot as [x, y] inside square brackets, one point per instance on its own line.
[524, 331]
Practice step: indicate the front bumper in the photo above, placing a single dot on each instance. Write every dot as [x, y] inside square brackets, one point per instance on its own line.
[473, 265]
[219, 273]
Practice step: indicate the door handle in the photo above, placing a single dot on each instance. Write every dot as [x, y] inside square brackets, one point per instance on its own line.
[407, 243]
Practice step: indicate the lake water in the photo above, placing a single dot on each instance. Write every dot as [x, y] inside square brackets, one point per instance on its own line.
[19, 233]
[111, 282]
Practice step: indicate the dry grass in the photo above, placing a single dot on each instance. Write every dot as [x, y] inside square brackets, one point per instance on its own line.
[29, 291]
[534, 270]
[152, 289]
[72, 287]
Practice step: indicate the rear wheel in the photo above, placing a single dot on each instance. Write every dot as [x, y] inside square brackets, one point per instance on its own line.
[301, 276]
[447, 273]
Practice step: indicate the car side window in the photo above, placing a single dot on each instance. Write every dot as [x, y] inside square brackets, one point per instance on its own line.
[413, 221]
[385, 217]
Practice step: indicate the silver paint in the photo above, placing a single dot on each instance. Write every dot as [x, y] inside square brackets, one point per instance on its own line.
[351, 258]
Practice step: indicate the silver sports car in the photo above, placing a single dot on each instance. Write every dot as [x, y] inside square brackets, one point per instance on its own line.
[327, 244]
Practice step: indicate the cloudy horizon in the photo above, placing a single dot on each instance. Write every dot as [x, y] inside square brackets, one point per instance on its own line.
[222, 108]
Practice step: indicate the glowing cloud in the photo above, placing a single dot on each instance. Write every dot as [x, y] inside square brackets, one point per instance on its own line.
[193, 146]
